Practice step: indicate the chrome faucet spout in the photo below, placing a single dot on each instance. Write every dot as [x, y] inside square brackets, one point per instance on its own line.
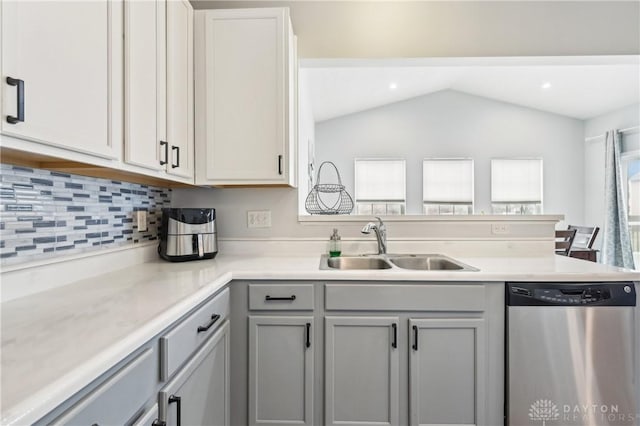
[381, 234]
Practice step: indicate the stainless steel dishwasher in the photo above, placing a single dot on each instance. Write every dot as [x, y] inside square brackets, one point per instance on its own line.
[571, 354]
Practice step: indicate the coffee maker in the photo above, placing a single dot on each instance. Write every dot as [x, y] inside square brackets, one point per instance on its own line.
[188, 234]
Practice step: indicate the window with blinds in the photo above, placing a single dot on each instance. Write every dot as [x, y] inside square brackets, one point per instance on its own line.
[380, 186]
[516, 185]
[447, 186]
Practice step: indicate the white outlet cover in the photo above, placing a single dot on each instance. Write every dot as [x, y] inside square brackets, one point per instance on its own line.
[259, 218]
[141, 220]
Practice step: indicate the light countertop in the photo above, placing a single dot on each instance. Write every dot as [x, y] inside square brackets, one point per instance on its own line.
[56, 342]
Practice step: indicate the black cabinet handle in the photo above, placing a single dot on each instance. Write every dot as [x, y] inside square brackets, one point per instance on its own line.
[207, 326]
[279, 164]
[177, 150]
[20, 102]
[308, 343]
[178, 401]
[166, 152]
[415, 337]
[290, 298]
[394, 342]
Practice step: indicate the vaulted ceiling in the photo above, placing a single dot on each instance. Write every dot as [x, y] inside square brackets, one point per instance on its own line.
[578, 90]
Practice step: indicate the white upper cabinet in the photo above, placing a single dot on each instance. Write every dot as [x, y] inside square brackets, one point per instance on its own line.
[180, 88]
[159, 85]
[145, 88]
[65, 59]
[245, 97]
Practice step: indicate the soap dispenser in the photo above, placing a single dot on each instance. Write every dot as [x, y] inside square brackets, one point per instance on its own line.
[335, 244]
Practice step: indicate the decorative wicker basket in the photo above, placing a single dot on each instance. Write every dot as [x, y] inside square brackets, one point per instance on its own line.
[329, 198]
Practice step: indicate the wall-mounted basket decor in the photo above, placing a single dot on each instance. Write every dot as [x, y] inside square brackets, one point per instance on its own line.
[328, 198]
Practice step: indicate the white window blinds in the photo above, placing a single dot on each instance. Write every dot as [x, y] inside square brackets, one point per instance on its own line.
[516, 180]
[447, 181]
[380, 180]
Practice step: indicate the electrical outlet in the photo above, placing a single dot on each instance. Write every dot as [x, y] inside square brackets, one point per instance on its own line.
[259, 219]
[140, 219]
[500, 229]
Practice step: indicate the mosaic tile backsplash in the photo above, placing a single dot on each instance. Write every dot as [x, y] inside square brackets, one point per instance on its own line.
[45, 214]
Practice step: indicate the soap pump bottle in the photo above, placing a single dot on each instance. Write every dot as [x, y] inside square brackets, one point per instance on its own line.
[335, 244]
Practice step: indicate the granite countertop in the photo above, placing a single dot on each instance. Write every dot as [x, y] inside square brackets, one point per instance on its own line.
[56, 342]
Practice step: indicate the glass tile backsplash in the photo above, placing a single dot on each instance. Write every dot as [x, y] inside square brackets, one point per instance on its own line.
[45, 214]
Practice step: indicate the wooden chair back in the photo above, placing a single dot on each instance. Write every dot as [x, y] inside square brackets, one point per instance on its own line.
[585, 236]
[564, 240]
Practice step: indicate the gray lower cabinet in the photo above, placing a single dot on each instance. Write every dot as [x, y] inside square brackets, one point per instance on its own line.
[198, 393]
[280, 370]
[119, 398]
[447, 371]
[361, 370]
[149, 417]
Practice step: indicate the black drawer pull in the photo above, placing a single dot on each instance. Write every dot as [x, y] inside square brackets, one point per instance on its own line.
[415, 337]
[279, 164]
[394, 342]
[166, 152]
[207, 326]
[177, 150]
[290, 298]
[308, 343]
[178, 401]
[20, 100]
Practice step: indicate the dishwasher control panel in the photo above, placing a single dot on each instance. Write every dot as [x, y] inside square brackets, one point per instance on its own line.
[571, 294]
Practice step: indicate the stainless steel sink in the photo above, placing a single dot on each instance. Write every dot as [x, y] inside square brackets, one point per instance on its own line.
[426, 263]
[419, 262]
[354, 262]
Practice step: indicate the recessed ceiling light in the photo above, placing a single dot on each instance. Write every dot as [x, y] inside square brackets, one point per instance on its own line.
[393, 86]
[546, 85]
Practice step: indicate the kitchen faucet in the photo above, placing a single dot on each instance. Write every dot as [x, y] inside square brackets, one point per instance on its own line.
[381, 234]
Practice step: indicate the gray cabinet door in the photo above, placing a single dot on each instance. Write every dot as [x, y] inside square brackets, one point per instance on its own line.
[199, 392]
[280, 370]
[447, 371]
[361, 371]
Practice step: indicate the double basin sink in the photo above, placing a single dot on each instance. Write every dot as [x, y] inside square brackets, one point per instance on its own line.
[419, 262]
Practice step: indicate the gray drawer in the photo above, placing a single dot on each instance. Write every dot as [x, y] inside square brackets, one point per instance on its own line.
[401, 297]
[179, 343]
[281, 297]
[120, 397]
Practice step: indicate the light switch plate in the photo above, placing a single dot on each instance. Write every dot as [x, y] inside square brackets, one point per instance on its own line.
[259, 218]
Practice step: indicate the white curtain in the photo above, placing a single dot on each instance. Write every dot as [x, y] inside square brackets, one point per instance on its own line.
[447, 180]
[616, 248]
[516, 180]
[382, 180]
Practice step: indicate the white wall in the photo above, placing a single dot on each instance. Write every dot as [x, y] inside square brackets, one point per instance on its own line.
[594, 157]
[454, 124]
[306, 136]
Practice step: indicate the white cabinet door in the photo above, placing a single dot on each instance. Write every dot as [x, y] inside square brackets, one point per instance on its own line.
[180, 88]
[199, 392]
[145, 83]
[447, 371]
[361, 371]
[245, 132]
[280, 370]
[69, 56]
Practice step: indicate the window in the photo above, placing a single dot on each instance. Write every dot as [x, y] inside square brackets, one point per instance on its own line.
[516, 186]
[380, 186]
[632, 179]
[447, 186]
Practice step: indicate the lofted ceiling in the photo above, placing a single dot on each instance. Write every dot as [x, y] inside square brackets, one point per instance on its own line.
[580, 91]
